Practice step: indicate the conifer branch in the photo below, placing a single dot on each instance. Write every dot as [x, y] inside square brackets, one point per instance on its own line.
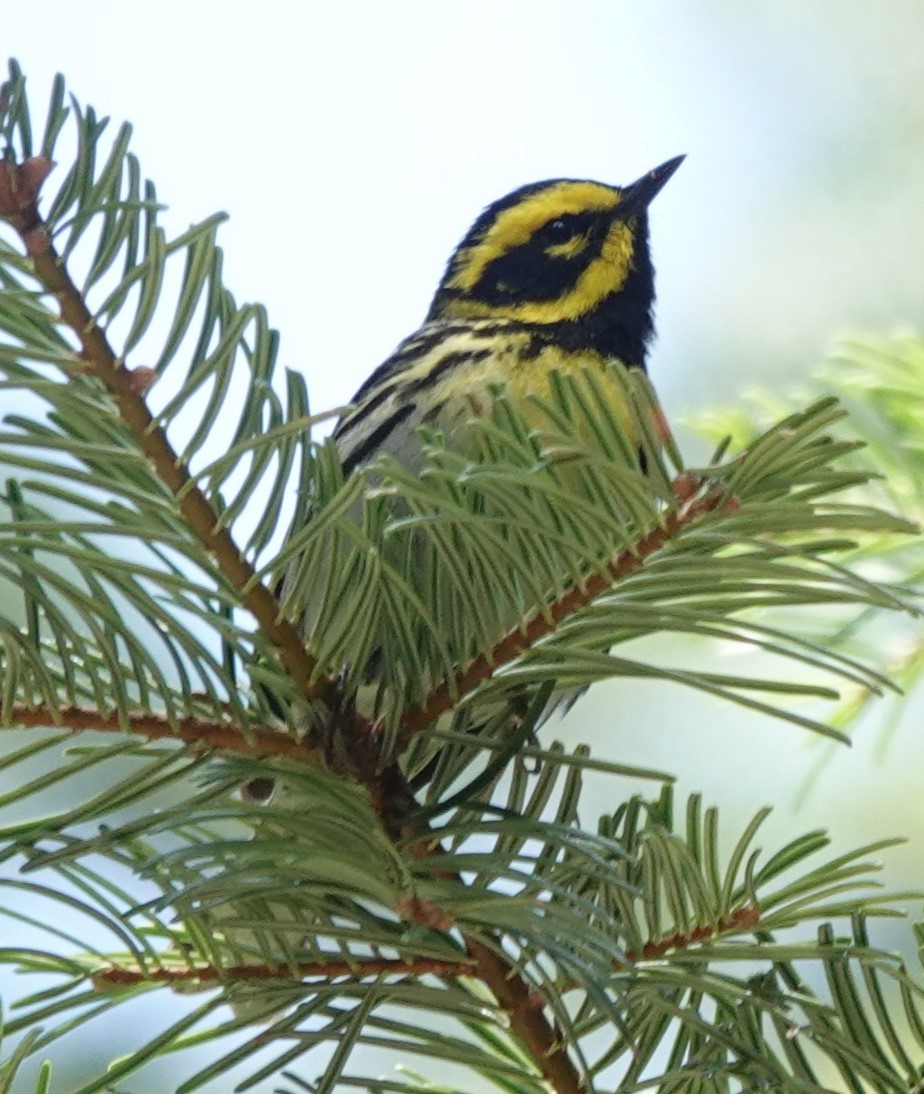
[201, 734]
[746, 917]
[20, 187]
[497, 896]
[545, 1042]
[360, 969]
[525, 1008]
[519, 639]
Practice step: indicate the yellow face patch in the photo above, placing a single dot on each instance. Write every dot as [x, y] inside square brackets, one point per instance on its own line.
[518, 224]
[571, 248]
[522, 374]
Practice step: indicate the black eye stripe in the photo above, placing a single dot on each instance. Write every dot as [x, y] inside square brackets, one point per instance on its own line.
[565, 227]
[529, 272]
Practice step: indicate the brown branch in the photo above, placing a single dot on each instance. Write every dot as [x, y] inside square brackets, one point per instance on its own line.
[360, 969]
[513, 995]
[739, 919]
[524, 1006]
[201, 734]
[20, 186]
[444, 697]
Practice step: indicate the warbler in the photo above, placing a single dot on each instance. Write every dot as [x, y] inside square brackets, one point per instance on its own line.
[556, 276]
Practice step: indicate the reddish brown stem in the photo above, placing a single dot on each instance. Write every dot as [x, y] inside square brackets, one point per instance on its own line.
[524, 1009]
[740, 919]
[523, 1005]
[200, 733]
[516, 641]
[545, 1043]
[328, 970]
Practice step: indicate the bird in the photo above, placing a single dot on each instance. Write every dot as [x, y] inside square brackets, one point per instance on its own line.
[557, 274]
[554, 277]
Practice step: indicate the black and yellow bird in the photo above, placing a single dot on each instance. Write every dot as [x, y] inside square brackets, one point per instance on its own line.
[555, 276]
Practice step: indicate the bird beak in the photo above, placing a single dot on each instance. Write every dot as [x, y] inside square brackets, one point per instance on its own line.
[638, 195]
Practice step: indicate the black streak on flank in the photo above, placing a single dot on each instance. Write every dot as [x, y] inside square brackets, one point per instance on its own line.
[376, 439]
[409, 351]
[446, 364]
[363, 411]
[417, 346]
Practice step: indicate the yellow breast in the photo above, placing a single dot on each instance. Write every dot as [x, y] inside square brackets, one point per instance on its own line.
[526, 372]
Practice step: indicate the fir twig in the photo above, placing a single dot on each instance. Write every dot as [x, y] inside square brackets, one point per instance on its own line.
[521, 638]
[545, 1042]
[360, 969]
[201, 734]
[744, 918]
[524, 1006]
[20, 187]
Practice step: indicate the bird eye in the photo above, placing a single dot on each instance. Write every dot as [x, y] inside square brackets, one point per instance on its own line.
[558, 228]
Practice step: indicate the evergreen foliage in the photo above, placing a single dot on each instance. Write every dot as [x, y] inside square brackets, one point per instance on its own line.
[159, 473]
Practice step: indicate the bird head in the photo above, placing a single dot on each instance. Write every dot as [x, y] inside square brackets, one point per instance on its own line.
[564, 252]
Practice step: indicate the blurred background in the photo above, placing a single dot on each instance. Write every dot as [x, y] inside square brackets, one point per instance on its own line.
[353, 144]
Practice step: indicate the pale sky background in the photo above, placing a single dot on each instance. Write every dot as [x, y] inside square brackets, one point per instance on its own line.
[354, 143]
